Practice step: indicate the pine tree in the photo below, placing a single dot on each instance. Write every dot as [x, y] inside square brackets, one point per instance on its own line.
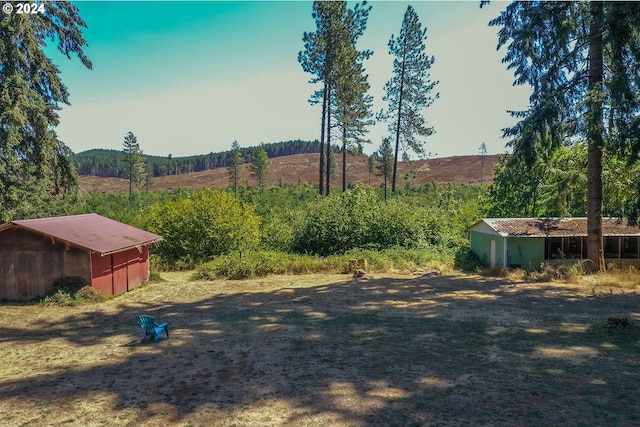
[352, 102]
[385, 155]
[408, 92]
[133, 160]
[34, 164]
[483, 154]
[330, 55]
[582, 60]
[148, 176]
[235, 166]
[331, 164]
[371, 167]
[317, 58]
[352, 115]
[260, 166]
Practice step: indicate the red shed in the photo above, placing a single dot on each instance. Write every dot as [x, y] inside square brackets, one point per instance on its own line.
[112, 256]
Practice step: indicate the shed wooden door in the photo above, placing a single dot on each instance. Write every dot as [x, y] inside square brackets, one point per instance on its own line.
[134, 261]
[120, 276]
[101, 276]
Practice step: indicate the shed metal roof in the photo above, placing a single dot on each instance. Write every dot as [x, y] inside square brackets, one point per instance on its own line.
[91, 232]
[556, 227]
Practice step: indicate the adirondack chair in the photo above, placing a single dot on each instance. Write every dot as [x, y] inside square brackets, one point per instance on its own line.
[152, 329]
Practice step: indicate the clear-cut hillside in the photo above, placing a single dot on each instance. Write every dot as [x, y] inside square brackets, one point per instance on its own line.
[303, 168]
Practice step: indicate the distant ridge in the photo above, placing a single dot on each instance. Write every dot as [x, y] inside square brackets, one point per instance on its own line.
[110, 163]
[303, 169]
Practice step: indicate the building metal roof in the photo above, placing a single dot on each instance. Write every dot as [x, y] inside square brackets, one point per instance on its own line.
[556, 227]
[91, 232]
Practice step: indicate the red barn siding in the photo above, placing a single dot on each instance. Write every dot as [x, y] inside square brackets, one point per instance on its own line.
[119, 272]
[137, 267]
[101, 276]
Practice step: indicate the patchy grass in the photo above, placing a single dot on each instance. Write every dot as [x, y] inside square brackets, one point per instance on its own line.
[326, 350]
[263, 263]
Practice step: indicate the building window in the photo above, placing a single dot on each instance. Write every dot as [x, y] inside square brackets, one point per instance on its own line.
[612, 247]
[575, 247]
[553, 248]
[630, 247]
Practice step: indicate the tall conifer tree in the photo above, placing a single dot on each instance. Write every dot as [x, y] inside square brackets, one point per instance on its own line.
[134, 162]
[235, 166]
[260, 166]
[582, 61]
[34, 163]
[385, 154]
[330, 55]
[408, 92]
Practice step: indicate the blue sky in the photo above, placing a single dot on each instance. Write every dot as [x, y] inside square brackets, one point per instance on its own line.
[191, 77]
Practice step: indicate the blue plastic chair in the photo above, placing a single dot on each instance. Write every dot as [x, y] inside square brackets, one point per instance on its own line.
[152, 329]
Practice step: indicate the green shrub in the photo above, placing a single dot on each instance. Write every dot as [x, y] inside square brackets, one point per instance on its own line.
[278, 230]
[466, 260]
[68, 284]
[242, 266]
[360, 219]
[200, 225]
[59, 298]
[335, 224]
[71, 291]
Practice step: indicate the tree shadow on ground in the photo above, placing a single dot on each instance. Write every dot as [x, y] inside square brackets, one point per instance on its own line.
[403, 351]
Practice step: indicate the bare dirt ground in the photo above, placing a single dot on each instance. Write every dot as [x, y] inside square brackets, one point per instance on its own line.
[327, 351]
[303, 168]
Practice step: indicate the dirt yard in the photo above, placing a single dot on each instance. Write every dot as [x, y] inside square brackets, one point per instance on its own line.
[328, 351]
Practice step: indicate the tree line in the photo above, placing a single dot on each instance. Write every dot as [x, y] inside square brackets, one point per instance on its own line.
[112, 163]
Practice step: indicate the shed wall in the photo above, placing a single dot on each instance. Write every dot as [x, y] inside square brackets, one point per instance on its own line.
[138, 269]
[120, 276]
[120, 272]
[525, 252]
[481, 246]
[30, 262]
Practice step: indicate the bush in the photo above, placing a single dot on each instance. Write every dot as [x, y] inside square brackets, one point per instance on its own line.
[200, 225]
[397, 224]
[68, 284]
[335, 224]
[360, 219]
[466, 260]
[71, 291]
[278, 230]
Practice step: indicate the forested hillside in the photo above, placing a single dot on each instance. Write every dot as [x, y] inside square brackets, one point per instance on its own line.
[110, 163]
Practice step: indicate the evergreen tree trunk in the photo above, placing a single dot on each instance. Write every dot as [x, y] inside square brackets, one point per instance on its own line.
[328, 176]
[395, 157]
[324, 114]
[344, 158]
[235, 183]
[595, 139]
[385, 184]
